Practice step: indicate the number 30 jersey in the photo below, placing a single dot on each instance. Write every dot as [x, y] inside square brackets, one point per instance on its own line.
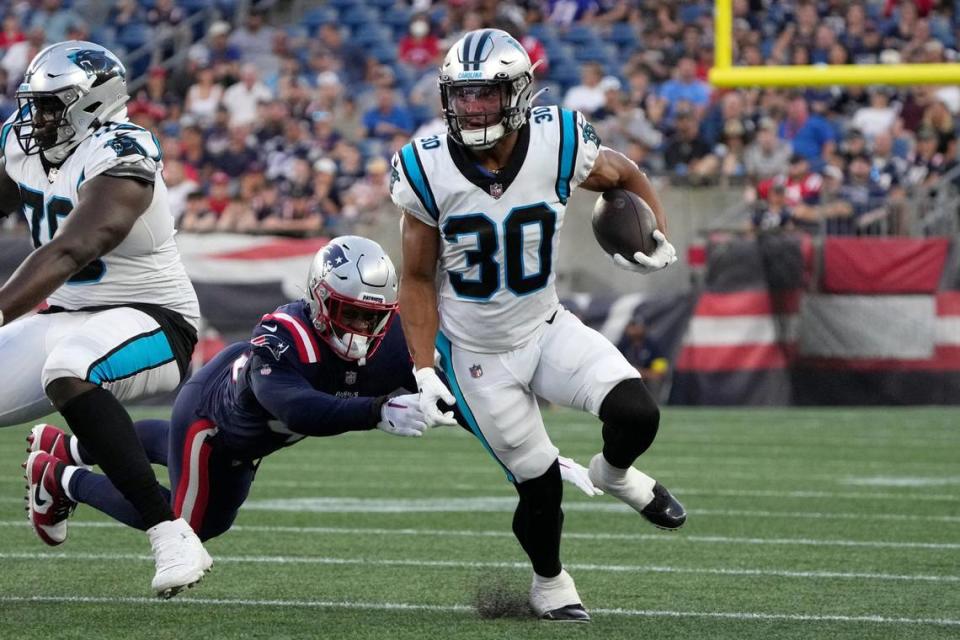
[498, 231]
[145, 267]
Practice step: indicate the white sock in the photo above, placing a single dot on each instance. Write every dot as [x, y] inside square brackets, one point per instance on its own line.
[65, 480]
[75, 451]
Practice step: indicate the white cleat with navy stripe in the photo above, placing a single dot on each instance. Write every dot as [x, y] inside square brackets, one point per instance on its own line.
[179, 555]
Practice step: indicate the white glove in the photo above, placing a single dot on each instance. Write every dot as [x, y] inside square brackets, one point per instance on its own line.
[576, 474]
[433, 390]
[663, 256]
[401, 416]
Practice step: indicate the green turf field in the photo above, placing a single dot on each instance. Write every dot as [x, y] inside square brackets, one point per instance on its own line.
[803, 524]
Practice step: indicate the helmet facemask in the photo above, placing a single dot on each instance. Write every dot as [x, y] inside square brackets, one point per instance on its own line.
[353, 328]
[43, 123]
[481, 112]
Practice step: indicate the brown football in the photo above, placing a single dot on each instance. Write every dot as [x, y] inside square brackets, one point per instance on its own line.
[623, 223]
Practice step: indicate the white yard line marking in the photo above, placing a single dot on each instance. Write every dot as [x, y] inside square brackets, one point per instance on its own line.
[459, 564]
[460, 608]
[901, 481]
[654, 537]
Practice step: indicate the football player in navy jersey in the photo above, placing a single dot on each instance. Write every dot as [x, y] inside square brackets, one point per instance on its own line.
[316, 367]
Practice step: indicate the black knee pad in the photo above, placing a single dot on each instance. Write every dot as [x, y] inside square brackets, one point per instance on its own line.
[631, 419]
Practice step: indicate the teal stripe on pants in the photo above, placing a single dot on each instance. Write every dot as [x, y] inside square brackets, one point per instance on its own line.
[446, 363]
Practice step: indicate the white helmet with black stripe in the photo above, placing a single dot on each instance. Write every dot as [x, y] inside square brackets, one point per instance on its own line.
[69, 90]
[486, 86]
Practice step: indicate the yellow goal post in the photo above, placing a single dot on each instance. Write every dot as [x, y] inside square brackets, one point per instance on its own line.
[724, 74]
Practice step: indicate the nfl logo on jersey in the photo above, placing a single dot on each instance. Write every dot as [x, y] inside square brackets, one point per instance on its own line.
[476, 371]
[496, 190]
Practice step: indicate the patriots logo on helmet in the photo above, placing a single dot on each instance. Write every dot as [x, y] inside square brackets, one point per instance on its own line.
[97, 65]
[274, 344]
[334, 257]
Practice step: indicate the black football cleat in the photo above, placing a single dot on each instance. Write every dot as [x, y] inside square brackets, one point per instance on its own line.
[664, 511]
[569, 613]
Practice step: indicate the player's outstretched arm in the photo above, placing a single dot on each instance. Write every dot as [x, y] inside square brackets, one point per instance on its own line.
[108, 209]
[613, 170]
[9, 191]
[420, 318]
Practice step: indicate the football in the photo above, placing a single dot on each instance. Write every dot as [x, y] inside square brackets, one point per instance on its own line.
[623, 223]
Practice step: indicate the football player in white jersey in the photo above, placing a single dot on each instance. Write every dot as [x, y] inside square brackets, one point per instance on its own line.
[122, 315]
[486, 203]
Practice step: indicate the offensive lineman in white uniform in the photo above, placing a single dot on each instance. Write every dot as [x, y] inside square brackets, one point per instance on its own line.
[487, 202]
[122, 320]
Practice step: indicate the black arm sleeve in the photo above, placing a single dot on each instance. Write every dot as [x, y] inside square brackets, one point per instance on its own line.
[290, 398]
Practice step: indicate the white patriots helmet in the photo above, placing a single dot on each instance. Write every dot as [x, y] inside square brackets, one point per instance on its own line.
[352, 293]
[486, 82]
[68, 91]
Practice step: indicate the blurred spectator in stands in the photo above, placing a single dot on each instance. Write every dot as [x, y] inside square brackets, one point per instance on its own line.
[684, 147]
[685, 87]
[588, 96]
[221, 54]
[158, 94]
[192, 150]
[927, 163]
[879, 116]
[731, 106]
[53, 19]
[824, 40]
[642, 94]
[364, 197]
[854, 143]
[179, 186]
[264, 203]
[349, 165]
[219, 192]
[203, 98]
[11, 32]
[888, 169]
[862, 198]
[564, 13]
[419, 48]
[387, 117]
[239, 153]
[727, 159]
[619, 123]
[255, 38]
[645, 354]
[811, 134]
[124, 12]
[767, 155]
[280, 152]
[325, 192]
[19, 55]
[801, 185]
[169, 28]
[353, 58]
[165, 12]
[772, 213]
[242, 98]
[324, 136]
[298, 214]
[197, 216]
[937, 117]
[8, 103]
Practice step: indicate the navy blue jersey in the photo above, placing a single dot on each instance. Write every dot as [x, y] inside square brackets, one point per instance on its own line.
[286, 384]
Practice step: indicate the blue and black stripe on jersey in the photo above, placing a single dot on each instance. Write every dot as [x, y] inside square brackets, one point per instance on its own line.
[417, 177]
[567, 154]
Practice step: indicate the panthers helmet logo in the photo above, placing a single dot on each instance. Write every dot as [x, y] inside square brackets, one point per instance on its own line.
[97, 65]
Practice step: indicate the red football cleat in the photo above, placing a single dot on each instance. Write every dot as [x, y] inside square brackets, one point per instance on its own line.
[46, 437]
[48, 505]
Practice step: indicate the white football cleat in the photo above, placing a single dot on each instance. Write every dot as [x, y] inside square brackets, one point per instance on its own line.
[557, 599]
[179, 555]
[645, 495]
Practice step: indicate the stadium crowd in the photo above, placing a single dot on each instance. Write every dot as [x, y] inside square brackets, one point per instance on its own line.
[288, 128]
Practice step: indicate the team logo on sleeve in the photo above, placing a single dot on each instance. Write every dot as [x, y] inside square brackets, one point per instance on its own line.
[590, 134]
[126, 146]
[274, 344]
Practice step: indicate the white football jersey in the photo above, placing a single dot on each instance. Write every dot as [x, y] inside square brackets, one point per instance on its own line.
[145, 267]
[499, 232]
